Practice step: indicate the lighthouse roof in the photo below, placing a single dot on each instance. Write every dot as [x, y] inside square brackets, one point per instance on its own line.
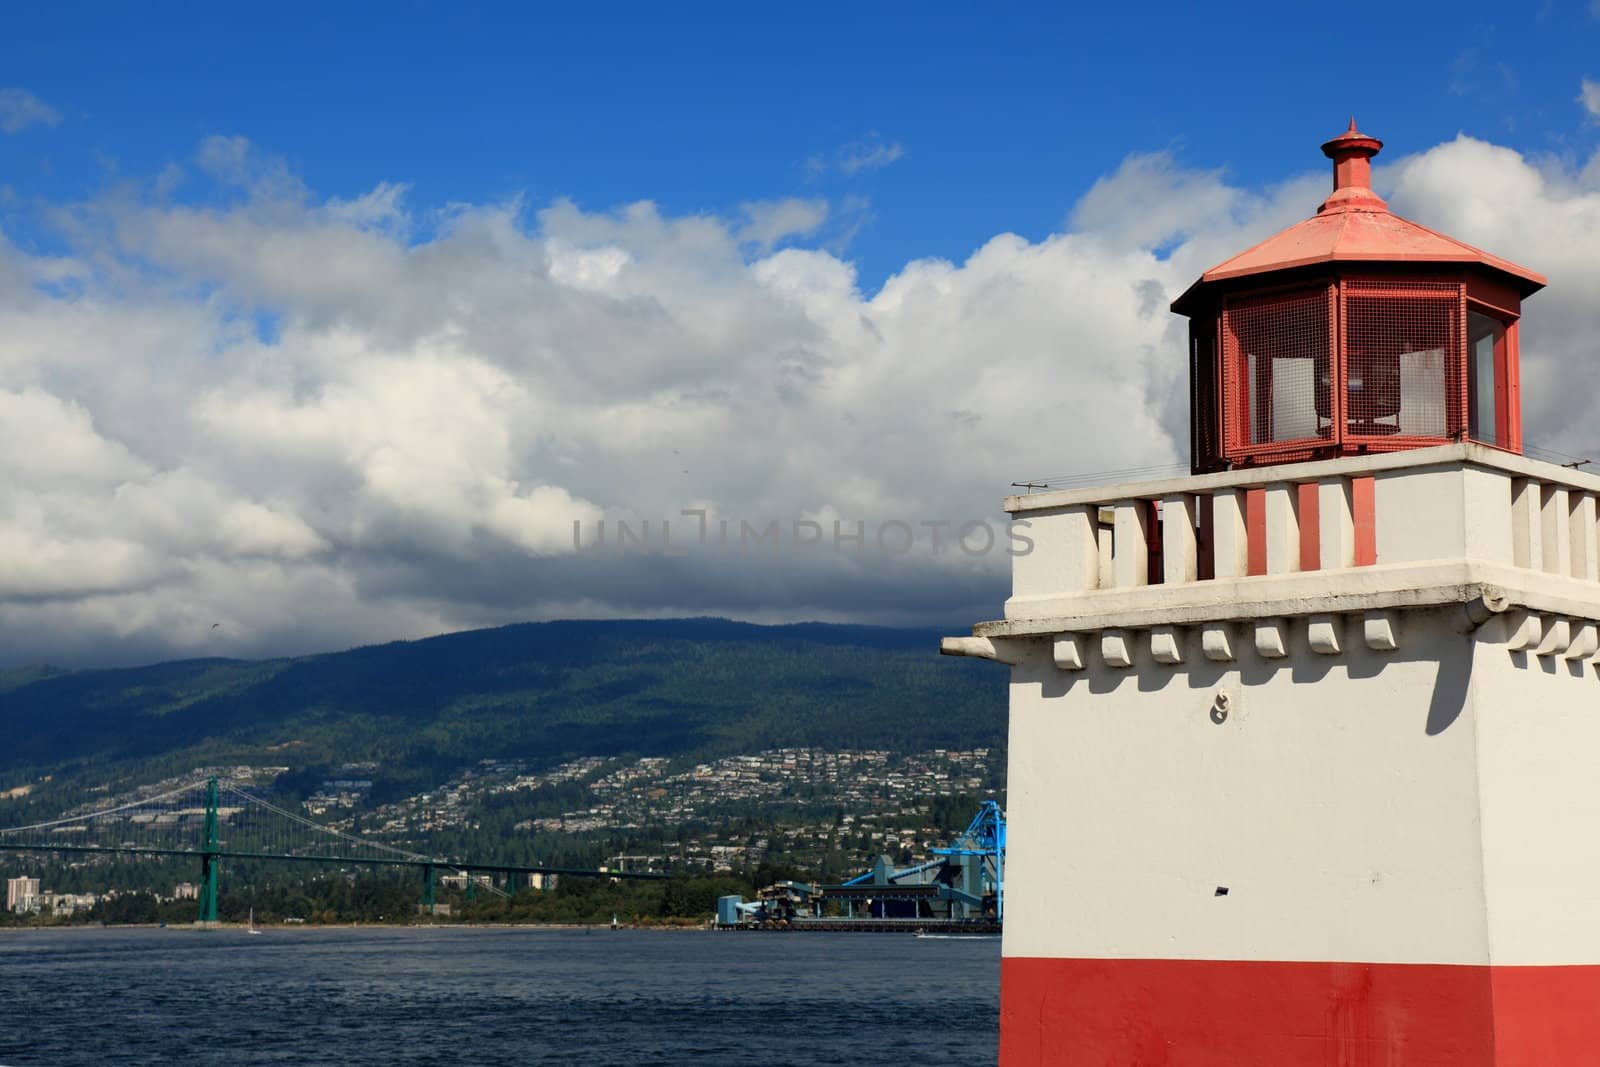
[1355, 225]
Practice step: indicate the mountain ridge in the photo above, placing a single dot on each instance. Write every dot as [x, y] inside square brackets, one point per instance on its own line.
[537, 691]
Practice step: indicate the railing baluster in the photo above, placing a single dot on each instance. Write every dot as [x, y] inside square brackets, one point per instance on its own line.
[1282, 530]
[1556, 541]
[1527, 539]
[1178, 558]
[1581, 520]
[1335, 524]
[1231, 555]
[1131, 554]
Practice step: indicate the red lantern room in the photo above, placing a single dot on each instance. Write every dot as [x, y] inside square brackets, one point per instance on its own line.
[1354, 331]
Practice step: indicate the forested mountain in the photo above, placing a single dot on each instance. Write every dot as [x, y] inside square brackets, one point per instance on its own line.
[539, 693]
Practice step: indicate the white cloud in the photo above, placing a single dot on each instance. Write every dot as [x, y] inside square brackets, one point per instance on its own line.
[769, 221]
[870, 153]
[20, 109]
[226, 158]
[439, 398]
[856, 158]
[235, 161]
[51, 443]
[1589, 97]
[383, 207]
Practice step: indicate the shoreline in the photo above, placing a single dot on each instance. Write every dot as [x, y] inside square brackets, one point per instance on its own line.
[223, 926]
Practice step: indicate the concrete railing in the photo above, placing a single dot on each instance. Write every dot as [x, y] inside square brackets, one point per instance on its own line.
[1461, 502]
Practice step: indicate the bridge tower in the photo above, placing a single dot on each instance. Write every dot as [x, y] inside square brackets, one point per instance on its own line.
[209, 858]
[1302, 744]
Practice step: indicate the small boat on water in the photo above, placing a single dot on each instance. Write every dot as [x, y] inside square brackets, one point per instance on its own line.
[251, 929]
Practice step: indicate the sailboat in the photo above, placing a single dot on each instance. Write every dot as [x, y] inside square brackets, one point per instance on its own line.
[252, 928]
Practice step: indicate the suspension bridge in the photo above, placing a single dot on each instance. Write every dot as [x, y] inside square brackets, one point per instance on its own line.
[215, 821]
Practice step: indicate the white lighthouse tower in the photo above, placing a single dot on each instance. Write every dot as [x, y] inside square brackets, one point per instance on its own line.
[1305, 747]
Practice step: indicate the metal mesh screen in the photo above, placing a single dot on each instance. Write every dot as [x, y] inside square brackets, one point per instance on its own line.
[1404, 361]
[1276, 367]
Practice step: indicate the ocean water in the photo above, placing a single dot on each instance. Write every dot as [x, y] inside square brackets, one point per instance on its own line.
[489, 996]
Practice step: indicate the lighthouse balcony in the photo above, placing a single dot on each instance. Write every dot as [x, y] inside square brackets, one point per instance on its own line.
[1366, 536]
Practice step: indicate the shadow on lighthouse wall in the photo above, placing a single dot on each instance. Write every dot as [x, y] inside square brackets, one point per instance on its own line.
[1450, 689]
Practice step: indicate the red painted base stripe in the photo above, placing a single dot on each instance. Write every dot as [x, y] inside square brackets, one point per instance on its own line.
[1184, 1013]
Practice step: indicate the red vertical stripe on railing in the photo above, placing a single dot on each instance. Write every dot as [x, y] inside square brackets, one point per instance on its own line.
[1366, 521]
[1255, 530]
[1310, 529]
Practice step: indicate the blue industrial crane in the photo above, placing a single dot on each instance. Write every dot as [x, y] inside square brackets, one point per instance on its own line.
[984, 840]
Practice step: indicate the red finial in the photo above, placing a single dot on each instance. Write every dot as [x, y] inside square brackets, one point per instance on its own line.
[1352, 153]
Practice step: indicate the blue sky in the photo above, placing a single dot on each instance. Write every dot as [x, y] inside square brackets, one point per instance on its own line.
[985, 123]
[324, 325]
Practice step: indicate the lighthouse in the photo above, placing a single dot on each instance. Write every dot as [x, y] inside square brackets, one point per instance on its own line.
[1305, 746]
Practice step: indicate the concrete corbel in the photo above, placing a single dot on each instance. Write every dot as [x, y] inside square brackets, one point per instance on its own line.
[1116, 649]
[1166, 645]
[1322, 632]
[1381, 631]
[1585, 641]
[1557, 638]
[1000, 649]
[1272, 638]
[1216, 642]
[1067, 651]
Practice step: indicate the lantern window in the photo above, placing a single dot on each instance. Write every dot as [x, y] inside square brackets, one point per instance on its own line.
[1277, 370]
[1403, 360]
[1486, 357]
